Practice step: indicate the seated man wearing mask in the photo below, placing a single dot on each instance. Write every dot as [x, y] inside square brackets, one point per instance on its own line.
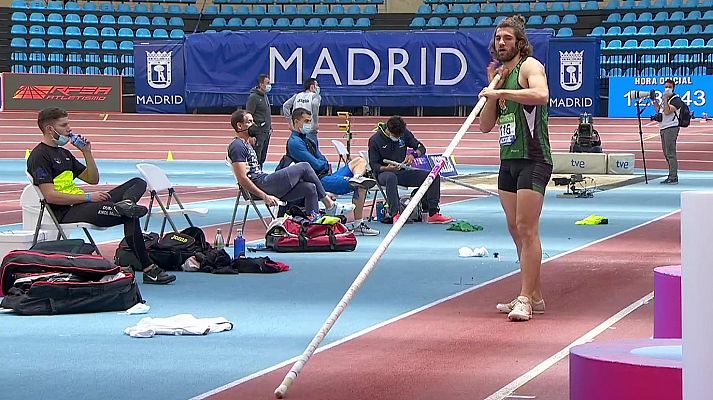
[296, 182]
[303, 146]
[390, 142]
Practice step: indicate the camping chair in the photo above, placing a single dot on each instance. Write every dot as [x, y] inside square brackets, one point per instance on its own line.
[30, 203]
[252, 201]
[157, 182]
[342, 151]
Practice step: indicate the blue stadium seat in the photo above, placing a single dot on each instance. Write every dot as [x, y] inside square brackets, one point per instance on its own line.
[680, 43]
[591, 5]
[37, 30]
[484, 21]
[631, 44]
[55, 31]
[92, 71]
[142, 20]
[709, 29]
[489, 8]
[628, 4]
[89, 6]
[284, 22]
[643, 4]
[190, 9]
[662, 30]
[174, 9]
[550, 19]
[450, 22]
[90, 31]
[126, 45]
[598, 31]
[74, 70]
[18, 42]
[645, 17]
[507, 8]
[72, 19]
[289, 10]
[523, 8]
[140, 8]
[177, 34]
[258, 10]
[322, 9]
[227, 10]
[351, 10]
[234, 22]
[535, 20]
[125, 33]
[441, 9]
[677, 16]
[159, 21]
[678, 30]
[124, 8]
[218, 22]
[18, 30]
[708, 16]
[37, 5]
[91, 44]
[55, 5]
[108, 32]
[628, 17]
[699, 71]
[646, 30]
[125, 20]
[346, 22]
[38, 57]
[19, 4]
[90, 19]
[695, 29]
[614, 17]
[128, 71]
[574, 6]
[210, 10]
[37, 43]
[73, 44]
[107, 19]
[109, 45]
[676, 4]
[499, 19]
[142, 33]
[250, 22]
[457, 9]
[37, 69]
[266, 23]
[614, 44]
[423, 9]
[337, 10]
[72, 6]
[647, 44]
[664, 43]
[565, 32]
[434, 22]
[370, 9]
[694, 15]
[18, 16]
[473, 9]
[160, 33]
[274, 11]
[629, 30]
[697, 42]
[37, 17]
[315, 23]
[298, 22]
[157, 9]
[557, 7]
[467, 22]
[332, 22]
[106, 7]
[18, 69]
[111, 71]
[416, 23]
[540, 8]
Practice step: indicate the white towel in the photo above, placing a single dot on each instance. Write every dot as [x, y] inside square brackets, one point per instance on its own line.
[183, 324]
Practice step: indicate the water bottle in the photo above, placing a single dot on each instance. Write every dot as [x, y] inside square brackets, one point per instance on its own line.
[77, 140]
[380, 210]
[239, 244]
[219, 242]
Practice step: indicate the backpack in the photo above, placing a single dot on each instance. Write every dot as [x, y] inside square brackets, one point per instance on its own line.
[168, 252]
[684, 114]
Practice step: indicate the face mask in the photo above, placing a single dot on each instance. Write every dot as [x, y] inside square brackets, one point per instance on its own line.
[307, 128]
[317, 89]
[61, 139]
[268, 88]
[668, 90]
[394, 138]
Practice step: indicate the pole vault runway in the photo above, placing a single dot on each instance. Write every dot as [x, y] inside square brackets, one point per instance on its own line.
[453, 348]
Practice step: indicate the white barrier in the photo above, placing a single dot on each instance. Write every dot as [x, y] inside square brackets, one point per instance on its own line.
[579, 163]
[620, 163]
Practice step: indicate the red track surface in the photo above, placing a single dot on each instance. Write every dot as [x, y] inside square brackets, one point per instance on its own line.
[205, 137]
[463, 349]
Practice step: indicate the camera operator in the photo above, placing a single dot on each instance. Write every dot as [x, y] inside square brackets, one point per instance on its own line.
[667, 117]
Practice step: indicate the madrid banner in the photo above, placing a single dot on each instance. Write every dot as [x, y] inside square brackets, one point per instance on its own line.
[573, 75]
[159, 76]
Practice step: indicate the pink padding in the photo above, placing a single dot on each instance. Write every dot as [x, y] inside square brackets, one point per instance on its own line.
[667, 302]
[608, 370]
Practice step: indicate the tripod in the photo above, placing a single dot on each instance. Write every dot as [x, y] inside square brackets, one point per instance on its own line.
[639, 111]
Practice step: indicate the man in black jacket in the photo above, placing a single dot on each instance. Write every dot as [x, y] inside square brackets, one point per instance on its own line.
[259, 106]
[391, 142]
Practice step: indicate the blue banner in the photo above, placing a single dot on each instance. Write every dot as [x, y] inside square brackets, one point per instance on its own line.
[353, 68]
[694, 91]
[573, 75]
[159, 77]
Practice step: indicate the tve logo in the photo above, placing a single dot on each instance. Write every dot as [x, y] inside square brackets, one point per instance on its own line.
[579, 163]
[622, 164]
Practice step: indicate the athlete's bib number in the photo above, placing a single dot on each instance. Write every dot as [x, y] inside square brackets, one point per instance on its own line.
[507, 129]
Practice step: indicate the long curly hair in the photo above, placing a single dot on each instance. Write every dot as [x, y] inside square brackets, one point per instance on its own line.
[517, 24]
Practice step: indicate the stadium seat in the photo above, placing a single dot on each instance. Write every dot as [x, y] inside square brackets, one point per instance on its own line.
[124, 8]
[678, 30]
[55, 18]
[564, 32]
[347, 22]
[258, 10]
[37, 43]
[90, 31]
[274, 11]
[370, 9]
[695, 29]
[647, 44]
[126, 33]
[507, 8]
[107, 19]
[697, 42]
[18, 16]
[664, 43]
[157, 9]
[142, 20]
[484, 21]
[76, 70]
[441, 9]
[613, 31]
[234, 22]
[92, 71]
[18, 43]
[549, 20]
[473, 9]
[337, 10]
[450, 22]
[109, 45]
[158, 21]
[37, 30]
[111, 71]
[160, 33]
[140, 8]
[72, 19]
[540, 8]
[457, 9]
[72, 6]
[569, 19]
[18, 30]
[629, 30]
[91, 44]
[177, 34]
[574, 6]
[210, 10]
[142, 33]
[73, 44]
[591, 5]
[218, 22]
[176, 22]
[108, 32]
[709, 29]
[174, 9]
[489, 8]
[614, 44]
[37, 17]
[614, 17]
[19, 4]
[434, 22]
[55, 5]
[647, 30]
[694, 15]
[677, 16]
[535, 20]
[298, 22]
[90, 19]
[631, 44]
[126, 45]
[323, 9]
[267, 23]
[313, 23]
[467, 22]
[662, 30]
[250, 22]
[557, 7]
[680, 43]
[106, 7]
[629, 17]
[55, 31]
[89, 7]
[284, 22]
[708, 16]
[37, 69]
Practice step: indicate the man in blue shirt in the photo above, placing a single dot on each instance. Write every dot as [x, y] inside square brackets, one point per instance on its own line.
[303, 146]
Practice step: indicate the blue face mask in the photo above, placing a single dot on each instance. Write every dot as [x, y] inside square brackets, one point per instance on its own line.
[317, 89]
[668, 90]
[268, 88]
[307, 128]
[61, 139]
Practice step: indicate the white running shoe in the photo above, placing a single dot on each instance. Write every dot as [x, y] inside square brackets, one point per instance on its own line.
[361, 182]
[522, 311]
[362, 229]
[538, 307]
[340, 209]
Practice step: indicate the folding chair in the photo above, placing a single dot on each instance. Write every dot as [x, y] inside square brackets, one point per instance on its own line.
[342, 151]
[376, 189]
[29, 203]
[157, 182]
[251, 200]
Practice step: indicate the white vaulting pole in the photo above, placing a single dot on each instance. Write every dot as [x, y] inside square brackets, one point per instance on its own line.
[289, 379]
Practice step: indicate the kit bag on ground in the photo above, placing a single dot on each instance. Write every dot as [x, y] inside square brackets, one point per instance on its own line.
[76, 246]
[168, 252]
[288, 234]
[416, 214]
[43, 283]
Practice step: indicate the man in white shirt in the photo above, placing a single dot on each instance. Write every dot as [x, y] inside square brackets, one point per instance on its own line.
[668, 124]
[309, 99]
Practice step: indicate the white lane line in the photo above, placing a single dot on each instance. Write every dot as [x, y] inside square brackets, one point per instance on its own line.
[412, 312]
[506, 391]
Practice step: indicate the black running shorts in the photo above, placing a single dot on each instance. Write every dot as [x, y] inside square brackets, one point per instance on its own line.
[523, 174]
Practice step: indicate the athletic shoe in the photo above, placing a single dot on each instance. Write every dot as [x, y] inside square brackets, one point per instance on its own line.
[361, 182]
[398, 215]
[128, 208]
[669, 181]
[522, 310]
[439, 218]
[156, 276]
[362, 229]
[538, 307]
[339, 209]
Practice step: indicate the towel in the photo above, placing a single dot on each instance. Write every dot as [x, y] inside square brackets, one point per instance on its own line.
[593, 220]
[183, 324]
[464, 226]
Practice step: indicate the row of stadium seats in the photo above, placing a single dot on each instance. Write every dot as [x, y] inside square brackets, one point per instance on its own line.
[75, 58]
[455, 22]
[73, 31]
[648, 4]
[313, 23]
[71, 44]
[292, 10]
[649, 31]
[665, 71]
[492, 8]
[661, 60]
[631, 44]
[158, 8]
[91, 19]
[58, 69]
[661, 16]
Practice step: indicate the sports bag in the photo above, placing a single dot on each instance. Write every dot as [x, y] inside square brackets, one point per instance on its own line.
[168, 252]
[125, 257]
[77, 246]
[288, 234]
[44, 283]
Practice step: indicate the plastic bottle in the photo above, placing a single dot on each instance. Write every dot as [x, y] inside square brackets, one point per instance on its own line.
[77, 140]
[380, 210]
[239, 245]
[219, 242]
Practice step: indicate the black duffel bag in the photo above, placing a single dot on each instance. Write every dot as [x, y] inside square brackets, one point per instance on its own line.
[168, 252]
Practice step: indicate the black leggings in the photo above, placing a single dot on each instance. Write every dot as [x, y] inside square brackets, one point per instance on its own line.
[103, 214]
[409, 178]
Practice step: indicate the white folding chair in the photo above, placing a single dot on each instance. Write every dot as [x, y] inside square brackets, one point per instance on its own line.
[32, 203]
[342, 151]
[158, 182]
[376, 189]
[250, 199]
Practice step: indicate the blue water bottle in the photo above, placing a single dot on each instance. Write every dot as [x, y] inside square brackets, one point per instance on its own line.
[239, 245]
[380, 214]
[77, 140]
